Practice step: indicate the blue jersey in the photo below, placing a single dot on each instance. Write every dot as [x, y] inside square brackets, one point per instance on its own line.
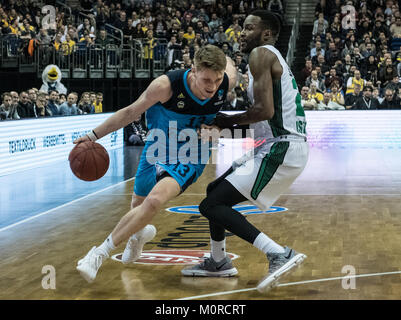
[172, 145]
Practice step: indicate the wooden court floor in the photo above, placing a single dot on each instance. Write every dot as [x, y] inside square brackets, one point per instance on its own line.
[344, 213]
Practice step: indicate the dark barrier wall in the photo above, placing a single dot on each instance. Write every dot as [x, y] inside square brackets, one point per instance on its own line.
[118, 93]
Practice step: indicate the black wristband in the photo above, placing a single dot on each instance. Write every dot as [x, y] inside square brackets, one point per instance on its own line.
[95, 134]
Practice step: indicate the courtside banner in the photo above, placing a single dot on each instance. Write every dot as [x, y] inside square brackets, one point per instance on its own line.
[31, 143]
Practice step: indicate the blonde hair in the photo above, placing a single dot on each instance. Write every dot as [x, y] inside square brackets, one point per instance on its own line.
[210, 57]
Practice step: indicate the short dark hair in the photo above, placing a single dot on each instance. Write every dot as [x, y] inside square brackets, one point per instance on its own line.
[269, 20]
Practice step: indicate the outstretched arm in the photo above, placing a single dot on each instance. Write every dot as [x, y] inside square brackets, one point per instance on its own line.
[158, 91]
[260, 64]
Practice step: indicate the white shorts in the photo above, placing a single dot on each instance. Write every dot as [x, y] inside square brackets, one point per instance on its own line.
[264, 176]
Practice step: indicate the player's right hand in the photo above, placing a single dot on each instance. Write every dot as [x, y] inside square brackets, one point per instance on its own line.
[81, 139]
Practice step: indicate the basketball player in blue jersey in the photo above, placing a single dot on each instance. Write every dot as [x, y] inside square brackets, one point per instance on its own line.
[177, 101]
[277, 117]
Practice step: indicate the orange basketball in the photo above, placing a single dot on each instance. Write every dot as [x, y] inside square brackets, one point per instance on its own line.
[89, 160]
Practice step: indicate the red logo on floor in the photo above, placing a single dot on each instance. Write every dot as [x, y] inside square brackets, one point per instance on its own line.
[172, 257]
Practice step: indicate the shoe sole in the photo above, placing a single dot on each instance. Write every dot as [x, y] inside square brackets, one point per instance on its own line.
[271, 280]
[203, 273]
[140, 245]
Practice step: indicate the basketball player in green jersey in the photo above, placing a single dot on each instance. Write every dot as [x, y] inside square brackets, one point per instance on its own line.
[278, 119]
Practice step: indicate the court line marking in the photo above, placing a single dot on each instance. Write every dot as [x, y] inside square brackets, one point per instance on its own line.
[346, 277]
[62, 206]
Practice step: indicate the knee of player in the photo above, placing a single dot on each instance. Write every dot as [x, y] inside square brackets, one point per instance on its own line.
[152, 204]
[204, 206]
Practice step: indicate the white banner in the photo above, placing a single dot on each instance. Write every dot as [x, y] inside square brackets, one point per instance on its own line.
[33, 143]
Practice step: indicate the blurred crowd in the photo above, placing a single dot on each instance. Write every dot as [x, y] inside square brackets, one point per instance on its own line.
[182, 25]
[354, 58]
[36, 104]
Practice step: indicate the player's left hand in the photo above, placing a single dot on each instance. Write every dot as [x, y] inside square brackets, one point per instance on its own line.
[81, 139]
[222, 120]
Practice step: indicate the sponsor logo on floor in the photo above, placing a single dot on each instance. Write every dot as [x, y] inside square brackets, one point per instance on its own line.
[172, 257]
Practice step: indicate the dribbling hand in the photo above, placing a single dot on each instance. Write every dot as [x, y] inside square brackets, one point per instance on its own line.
[81, 139]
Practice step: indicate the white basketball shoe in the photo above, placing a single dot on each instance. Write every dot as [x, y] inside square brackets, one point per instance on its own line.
[134, 247]
[90, 264]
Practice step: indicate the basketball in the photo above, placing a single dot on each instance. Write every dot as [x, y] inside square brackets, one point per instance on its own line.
[89, 161]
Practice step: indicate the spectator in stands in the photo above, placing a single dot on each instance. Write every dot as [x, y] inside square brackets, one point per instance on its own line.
[220, 36]
[43, 37]
[332, 77]
[348, 47]
[207, 36]
[86, 26]
[355, 80]
[367, 48]
[390, 101]
[24, 106]
[57, 43]
[366, 102]
[121, 23]
[148, 47]
[317, 49]
[319, 61]
[189, 35]
[376, 94]
[335, 27]
[214, 23]
[350, 98]
[379, 28]
[306, 71]
[328, 104]
[52, 109]
[233, 36]
[394, 84]
[313, 78]
[32, 95]
[369, 69]
[337, 95]
[15, 98]
[381, 42]
[227, 49]
[332, 54]
[68, 46]
[386, 75]
[320, 26]
[232, 103]
[314, 94]
[61, 98]
[68, 108]
[308, 103]
[98, 104]
[135, 18]
[35, 109]
[160, 26]
[8, 110]
[102, 40]
[84, 104]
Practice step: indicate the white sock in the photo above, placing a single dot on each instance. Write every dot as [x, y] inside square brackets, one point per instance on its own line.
[107, 246]
[267, 245]
[218, 249]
